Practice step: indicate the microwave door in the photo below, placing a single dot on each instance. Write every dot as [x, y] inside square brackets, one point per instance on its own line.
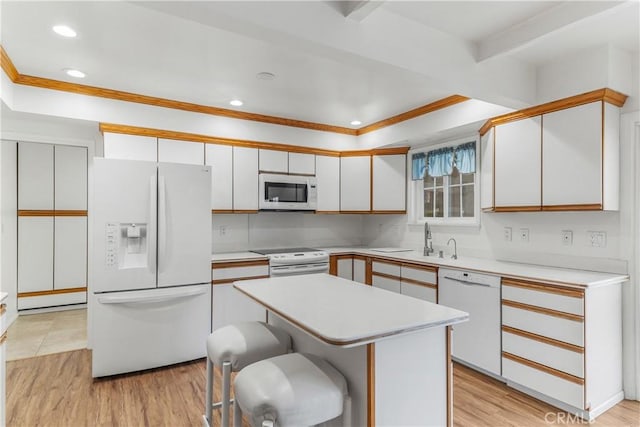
[285, 192]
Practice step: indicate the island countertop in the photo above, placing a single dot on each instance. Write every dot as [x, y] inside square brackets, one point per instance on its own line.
[344, 313]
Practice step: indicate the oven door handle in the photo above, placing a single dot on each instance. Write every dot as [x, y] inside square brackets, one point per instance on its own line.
[299, 269]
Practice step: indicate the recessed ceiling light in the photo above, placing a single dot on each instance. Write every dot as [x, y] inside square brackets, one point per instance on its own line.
[64, 31]
[356, 122]
[236, 102]
[265, 75]
[75, 73]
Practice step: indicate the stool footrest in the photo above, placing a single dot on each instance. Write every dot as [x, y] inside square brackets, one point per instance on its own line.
[219, 404]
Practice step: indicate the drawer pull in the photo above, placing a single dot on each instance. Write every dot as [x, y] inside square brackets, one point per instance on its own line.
[543, 368]
[543, 339]
[541, 310]
[467, 282]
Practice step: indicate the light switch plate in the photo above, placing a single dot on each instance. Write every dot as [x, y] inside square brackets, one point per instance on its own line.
[507, 234]
[567, 237]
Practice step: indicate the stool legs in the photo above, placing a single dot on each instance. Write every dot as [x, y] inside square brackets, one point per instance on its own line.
[226, 386]
[346, 412]
[209, 395]
[237, 414]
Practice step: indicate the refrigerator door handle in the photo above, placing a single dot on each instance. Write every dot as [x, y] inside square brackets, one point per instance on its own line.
[132, 298]
[151, 254]
[162, 223]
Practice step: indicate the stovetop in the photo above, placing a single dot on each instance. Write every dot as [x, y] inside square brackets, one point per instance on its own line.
[283, 251]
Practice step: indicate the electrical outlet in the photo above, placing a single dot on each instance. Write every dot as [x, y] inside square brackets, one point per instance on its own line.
[507, 234]
[597, 239]
[222, 230]
[524, 234]
[567, 237]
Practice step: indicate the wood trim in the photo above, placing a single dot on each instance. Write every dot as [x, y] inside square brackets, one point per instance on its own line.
[221, 211]
[543, 339]
[333, 265]
[411, 114]
[237, 279]
[355, 212]
[51, 292]
[541, 310]
[517, 208]
[368, 271]
[449, 379]
[3, 309]
[385, 276]
[429, 268]
[551, 289]
[387, 261]
[418, 283]
[398, 212]
[607, 95]
[602, 152]
[328, 212]
[371, 183]
[38, 212]
[3, 338]
[7, 65]
[371, 385]
[543, 368]
[375, 152]
[234, 264]
[245, 211]
[585, 207]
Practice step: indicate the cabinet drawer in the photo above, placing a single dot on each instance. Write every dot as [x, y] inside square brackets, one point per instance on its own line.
[561, 329]
[425, 293]
[560, 299]
[544, 382]
[385, 268]
[229, 274]
[392, 285]
[420, 275]
[553, 356]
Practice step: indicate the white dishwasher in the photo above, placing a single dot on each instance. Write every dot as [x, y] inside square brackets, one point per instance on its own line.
[478, 341]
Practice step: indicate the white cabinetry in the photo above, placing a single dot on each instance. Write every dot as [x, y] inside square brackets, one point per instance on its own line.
[70, 178]
[389, 182]
[327, 170]
[35, 176]
[419, 282]
[130, 147]
[245, 179]
[273, 161]
[563, 344]
[35, 254]
[220, 158]
[174, 151]
[355, 184]
[360, 269]
[517, 167]
[486, 170]
[385, 275]
[3, 359]
[230, 305]
[341, 266]
[302, 164]
[70, 249]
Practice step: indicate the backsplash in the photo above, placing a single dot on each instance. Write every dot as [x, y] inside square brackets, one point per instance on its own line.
[241, 232]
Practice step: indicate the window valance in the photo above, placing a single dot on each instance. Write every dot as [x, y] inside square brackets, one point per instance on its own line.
[440, 162]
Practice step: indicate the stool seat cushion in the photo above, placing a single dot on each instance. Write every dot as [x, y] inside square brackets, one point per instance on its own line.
[244, 343]
[292, 390]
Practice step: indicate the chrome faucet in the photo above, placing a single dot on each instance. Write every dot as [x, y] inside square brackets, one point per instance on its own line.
[428, 244]
[455, 248]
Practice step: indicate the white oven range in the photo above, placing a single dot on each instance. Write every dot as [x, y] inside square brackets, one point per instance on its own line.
[295, 261]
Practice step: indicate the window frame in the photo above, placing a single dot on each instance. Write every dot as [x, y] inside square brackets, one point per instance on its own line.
[416, 189]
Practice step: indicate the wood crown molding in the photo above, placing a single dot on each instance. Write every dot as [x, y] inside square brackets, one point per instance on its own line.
[607, 95]
[45, 83]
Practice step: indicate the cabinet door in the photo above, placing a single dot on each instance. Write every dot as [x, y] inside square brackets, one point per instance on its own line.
[304, 164]
[355, 183]
[274, 161]
[418, 291]
[70, 253]
[359, 270]
[35, 176]
[70, 178]
[518, 167]
[35, 254]
[130, 147]
[328, 180]
[231, 306]
[345, 268]
[572, 156]
[172, 151]
[220, 158]
[486, 171]
[245, 179]
[392, 285]
[389, 182]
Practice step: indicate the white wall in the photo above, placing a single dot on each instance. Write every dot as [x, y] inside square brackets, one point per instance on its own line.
[9, 226]
[241, 232]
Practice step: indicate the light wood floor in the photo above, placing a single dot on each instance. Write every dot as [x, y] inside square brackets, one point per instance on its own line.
[57, 390]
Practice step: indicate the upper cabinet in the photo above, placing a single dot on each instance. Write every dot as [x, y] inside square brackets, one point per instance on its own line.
[355, 184]
[220, 158]
[302, 164]
[389, 179]
[328, 179]
[35, 176]
[70, 178]
[174, 151]
[517, 165]
[564, 158]
[130, 147]
[245, 179]
[275, 161]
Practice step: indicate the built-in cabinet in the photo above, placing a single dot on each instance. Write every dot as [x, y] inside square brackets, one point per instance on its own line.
[328, 182]
[186, 152]
[3, 359]
[228, 304]
[220, 158]
[355, 184]
[52, 225]
[389, 178]
[565, 157]
[275, 161]
[245, 179]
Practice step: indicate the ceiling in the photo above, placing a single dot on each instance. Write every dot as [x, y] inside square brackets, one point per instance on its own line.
[333, 61]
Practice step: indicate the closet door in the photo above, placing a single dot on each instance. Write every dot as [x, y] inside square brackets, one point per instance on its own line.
[35, 254]
[70, 250]
[70, 178]
[35, 176]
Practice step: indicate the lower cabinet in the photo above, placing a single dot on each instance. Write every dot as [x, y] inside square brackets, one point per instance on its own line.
[361, 265]
[385, 275]
[3, 359]
[230, 305]
[419, 282]
[563, 344]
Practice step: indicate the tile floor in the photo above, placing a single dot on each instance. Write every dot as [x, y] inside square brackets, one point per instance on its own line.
[47, 333]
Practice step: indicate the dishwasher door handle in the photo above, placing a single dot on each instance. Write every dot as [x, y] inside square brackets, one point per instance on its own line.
[467, 282]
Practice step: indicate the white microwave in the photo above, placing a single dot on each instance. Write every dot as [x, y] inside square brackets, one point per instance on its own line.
[287, 192]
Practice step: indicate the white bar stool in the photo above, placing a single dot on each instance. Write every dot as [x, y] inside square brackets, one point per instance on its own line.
[235, 346]
[294, 389]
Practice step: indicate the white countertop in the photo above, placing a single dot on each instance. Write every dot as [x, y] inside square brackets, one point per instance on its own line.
[3, 296]
[343, 312]
[237, 256]
[551, 275]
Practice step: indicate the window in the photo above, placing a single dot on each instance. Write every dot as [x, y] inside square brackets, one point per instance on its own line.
[445, 189]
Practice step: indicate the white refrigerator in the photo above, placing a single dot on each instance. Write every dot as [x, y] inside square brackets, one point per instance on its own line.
[151, 281]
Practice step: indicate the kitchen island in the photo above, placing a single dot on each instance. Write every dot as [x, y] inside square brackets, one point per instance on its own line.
[393, 350]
